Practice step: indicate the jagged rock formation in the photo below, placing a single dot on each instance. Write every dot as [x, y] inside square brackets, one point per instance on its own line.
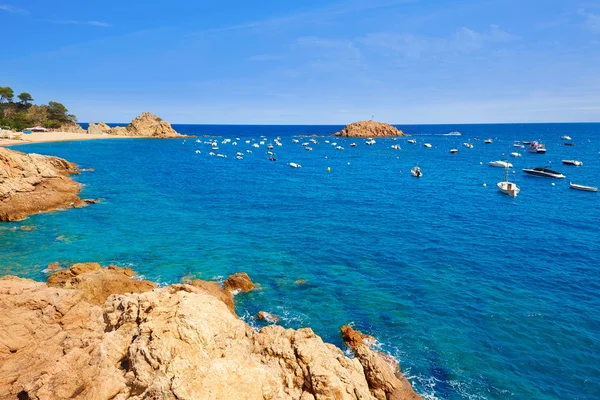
[175, 342]
[72, 127]
[239, 282]
[145, 125]
[32, 183]
[369, 129]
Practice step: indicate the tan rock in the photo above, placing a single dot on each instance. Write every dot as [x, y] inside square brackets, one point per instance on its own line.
[72, 127]
[144, 125]
[269, 317]
[239, 282]
[97, 283]
[369, 129]
[216, 290]
[354, 338]
[28, 227]
[54, 266]
[32, 183]
[104, 128]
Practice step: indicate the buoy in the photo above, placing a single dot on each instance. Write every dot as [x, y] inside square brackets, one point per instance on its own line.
[480, 163]
[348, 162]
[328, 169]
[553, 184]
[502, 154]
[514, 172]
[484, 185]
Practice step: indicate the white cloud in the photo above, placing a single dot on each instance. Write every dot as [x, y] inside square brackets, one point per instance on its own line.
[12, 9]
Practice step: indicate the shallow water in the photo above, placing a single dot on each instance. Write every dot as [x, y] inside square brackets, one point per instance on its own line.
[478, 295]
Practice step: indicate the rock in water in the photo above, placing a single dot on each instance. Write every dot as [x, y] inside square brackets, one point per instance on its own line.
[354, 338]
[239, 282]
[175, 342]
[32, 183]
[266, 316]
[369, 129]
[145, 125]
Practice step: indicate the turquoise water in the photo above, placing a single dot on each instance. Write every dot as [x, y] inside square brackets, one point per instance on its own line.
[479, 295]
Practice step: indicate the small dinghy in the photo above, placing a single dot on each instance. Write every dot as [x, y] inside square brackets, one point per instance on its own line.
[416, 172]
[576, 163]
[583, 188]
[294, 165]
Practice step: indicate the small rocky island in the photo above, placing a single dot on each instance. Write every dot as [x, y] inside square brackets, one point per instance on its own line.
[32, 183]
[97, 333]
[145, 125]
[369, 129]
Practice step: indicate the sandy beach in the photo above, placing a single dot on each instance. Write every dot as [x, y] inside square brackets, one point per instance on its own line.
[44, 137]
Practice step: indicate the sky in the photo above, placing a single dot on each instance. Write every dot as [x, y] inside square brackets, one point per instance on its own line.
[307, 62]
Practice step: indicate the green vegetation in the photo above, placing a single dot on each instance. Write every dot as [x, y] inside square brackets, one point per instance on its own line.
[24, 114]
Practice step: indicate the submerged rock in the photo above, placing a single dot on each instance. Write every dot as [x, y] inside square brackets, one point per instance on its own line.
[33, 183]
[370, 129]
[175, 342]
[145, 125]
[239, 282]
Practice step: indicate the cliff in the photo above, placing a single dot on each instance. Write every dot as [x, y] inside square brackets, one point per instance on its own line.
[145, 125]
[369, 129]
[73, 340]
[32, 183]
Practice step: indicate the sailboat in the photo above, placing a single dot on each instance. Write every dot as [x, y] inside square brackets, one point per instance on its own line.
[507, 187]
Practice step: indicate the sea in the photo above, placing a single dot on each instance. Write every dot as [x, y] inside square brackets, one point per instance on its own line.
[478, 295]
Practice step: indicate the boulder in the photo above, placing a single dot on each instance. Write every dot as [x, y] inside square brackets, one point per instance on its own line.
[32, 183]
[354, 338]
[266, 316]
[216, 290]
[104, 128]
[239, 282]
[72, 127]
[145, 125]
[369, 129]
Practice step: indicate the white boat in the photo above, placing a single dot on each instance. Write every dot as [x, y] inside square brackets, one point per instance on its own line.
[468, 145]
[515, 154]
[211, 154]
[215, 148]
[565, 137]
[295, 140]
[256, 145]
[248, 151]
[305, 144]
[416, 172]
[370, 142]
[221, 155]
[544, 172]
[239, 154]
[308, 148]
[453, 151]
[487, 141]
[412, 141]
[198, 151]
[339, 148]
[582, 187]
[239, 157]
[535, 147]
[500, 164]
[396, 146]
[452, 134]
[576, 163]
[518, 144]
[352, 144]
[428, 145]
[507, 187]
[294, 165]
[234, 143]
[247, 142]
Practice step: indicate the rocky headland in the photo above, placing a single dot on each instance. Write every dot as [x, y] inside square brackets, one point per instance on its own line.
[145, 125]
[369, 129]
[33, 183]
[97, 333]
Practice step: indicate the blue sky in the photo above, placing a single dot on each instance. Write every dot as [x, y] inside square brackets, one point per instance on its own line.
[308, 62]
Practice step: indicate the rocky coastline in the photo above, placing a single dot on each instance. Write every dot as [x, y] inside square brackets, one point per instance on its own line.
[95, 332]
[144, 125]
[33, 183]
[369, 129]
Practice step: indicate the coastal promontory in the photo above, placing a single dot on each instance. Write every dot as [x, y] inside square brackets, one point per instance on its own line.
[98, 333]
[369, 129]
[33, 183]
[144, 125]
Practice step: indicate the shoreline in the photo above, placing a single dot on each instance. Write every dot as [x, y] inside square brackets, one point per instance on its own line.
[53, 137]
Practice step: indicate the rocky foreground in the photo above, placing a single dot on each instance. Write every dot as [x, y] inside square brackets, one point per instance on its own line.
[32, 183]
[369, 129]
[145, 125]
[97, 333]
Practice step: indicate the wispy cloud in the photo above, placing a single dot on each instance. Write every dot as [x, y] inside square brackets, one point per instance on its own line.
[464, 40]
[74, 22]
[591, 20]
[12, 9]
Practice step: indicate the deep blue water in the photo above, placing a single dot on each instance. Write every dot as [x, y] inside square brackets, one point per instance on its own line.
[479, 295]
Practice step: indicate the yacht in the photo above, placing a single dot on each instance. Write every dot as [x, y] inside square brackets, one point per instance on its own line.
[487, 141]
[452, 134]
[500, 164]
[565, 137]
[544, 172]
[536, 147]
[468, 145]
[518, 144]
[507, 187]
[294, 165]
[412, 141]
[416, 172]
[370, 142]
[352, 144]
[428, 145]
[576, 163]
[582, 187]
[515, 154]
[453, 151]
[396, 146]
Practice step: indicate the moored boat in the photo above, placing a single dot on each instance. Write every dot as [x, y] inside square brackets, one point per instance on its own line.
[576, 163]
[428, 145]
[294, 165]
[500, 164]
[487, 141]
[416, 172]
[507, 187]
[535, 147]
[583, 188]
[412, 141]
[515, 154]
[468, 145]
[543, 172]
[565, 137]
[569, 144]
[453, 151]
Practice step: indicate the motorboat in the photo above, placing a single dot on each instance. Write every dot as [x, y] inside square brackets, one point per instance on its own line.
[370, 142]
[248, 151]
[198, 152]
[500, 164]
[295, 140]
[544, 172]
[294, 165]
[487, 141]
[396, 146]
[222, 155]
[270, 146]
[339, 148]
[565, 137]
[517, 144]
[352, 144]
[428, 145]
[416, 172]
[569, 144]
[256, 145]
[239, 157]
[412, 141]
[215, 148]
[272, 158]
[452, 134]
[468, 145]
[582, 187]
[576, 163]
[515, 154]
[453, 151]
[308, 148]
[535, 147]
[526, 142]
[507, 187]
[211, 154]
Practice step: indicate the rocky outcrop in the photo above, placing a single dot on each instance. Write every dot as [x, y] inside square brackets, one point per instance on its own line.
[32, 183]
[145, 125]
[175, 342]
[239, 282]
[382, 372]
[267, 316]
[72, 127]
[370, 129]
